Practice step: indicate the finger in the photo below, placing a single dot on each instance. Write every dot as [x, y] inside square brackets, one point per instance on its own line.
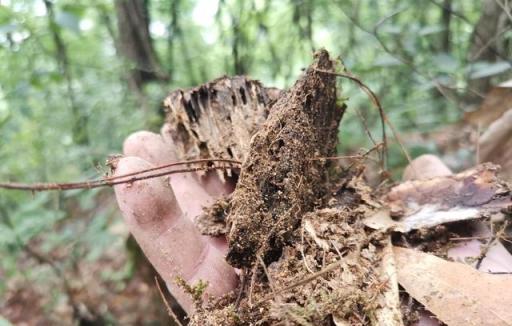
[148, 146]
[152, 148]
[211, 182]
[142, 210]
[169, 240]
[189, 193]
[427, 319]
[425, 167]
[215, 186]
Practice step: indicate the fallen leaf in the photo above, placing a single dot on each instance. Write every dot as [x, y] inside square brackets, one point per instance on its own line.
[389, 312]
[456, 293]
[496, 102]
[496, 144]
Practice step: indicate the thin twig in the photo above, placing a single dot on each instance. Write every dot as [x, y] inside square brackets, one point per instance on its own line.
[505, 8]
[487, 246]
[309, 278]
[469, 238]
[373, 97]
[440, 87]
[376, 102]
[251, 285]
[365, 154]
[206, 161]
[302, 250]
[270, 282]
[343, 157]
[488, 45]
[477, 143]
[243, 283]
[115, 180]
[365, 125]
[171, 313]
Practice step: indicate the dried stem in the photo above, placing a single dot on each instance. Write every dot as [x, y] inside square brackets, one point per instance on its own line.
[125, 178]
[171, 313]
[329, 268]
[376, 102]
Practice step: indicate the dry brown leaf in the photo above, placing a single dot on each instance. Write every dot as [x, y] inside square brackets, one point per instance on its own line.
[496, 102]
[389, 312]
[456, 293]
[496, 145]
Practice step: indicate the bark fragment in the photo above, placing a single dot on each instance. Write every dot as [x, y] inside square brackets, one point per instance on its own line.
[472, 194]
[280, 181]
[219, 118]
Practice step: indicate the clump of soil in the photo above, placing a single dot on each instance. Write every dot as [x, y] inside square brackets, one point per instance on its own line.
[213, 220]
[330, 273]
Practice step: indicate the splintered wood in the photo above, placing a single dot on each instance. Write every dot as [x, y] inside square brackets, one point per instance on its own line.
[217, 119]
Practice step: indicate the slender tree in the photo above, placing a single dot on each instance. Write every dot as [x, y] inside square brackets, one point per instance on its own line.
[136, 43]
[487, 43]
[80, 135]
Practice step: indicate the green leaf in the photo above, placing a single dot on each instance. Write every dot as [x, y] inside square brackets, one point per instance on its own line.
[8, 28]
[34, 223]
[386, 60]
[390, 29]
[7, 237]
[445, 62]
[486, 69]
[5, 112]
[4, 322]
[75, 9]
[5, 15]
[68, 20]
[428, 30]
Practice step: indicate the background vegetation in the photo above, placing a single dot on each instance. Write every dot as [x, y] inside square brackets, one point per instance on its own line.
[77, 77]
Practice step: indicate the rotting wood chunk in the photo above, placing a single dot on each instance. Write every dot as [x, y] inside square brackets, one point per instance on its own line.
[217, 119]
[282, 177]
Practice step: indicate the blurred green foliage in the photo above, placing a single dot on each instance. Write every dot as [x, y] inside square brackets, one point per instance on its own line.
[395, 47]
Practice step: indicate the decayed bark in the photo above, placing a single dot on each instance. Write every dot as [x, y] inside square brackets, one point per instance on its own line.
[282, 177]
[219, 118]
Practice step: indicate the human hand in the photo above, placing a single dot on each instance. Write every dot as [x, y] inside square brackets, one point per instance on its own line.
[159, 213]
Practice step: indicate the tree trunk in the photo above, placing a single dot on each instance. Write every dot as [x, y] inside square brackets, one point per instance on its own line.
[446, 17]
[486, 44]
[79, 130]
[136, 43]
